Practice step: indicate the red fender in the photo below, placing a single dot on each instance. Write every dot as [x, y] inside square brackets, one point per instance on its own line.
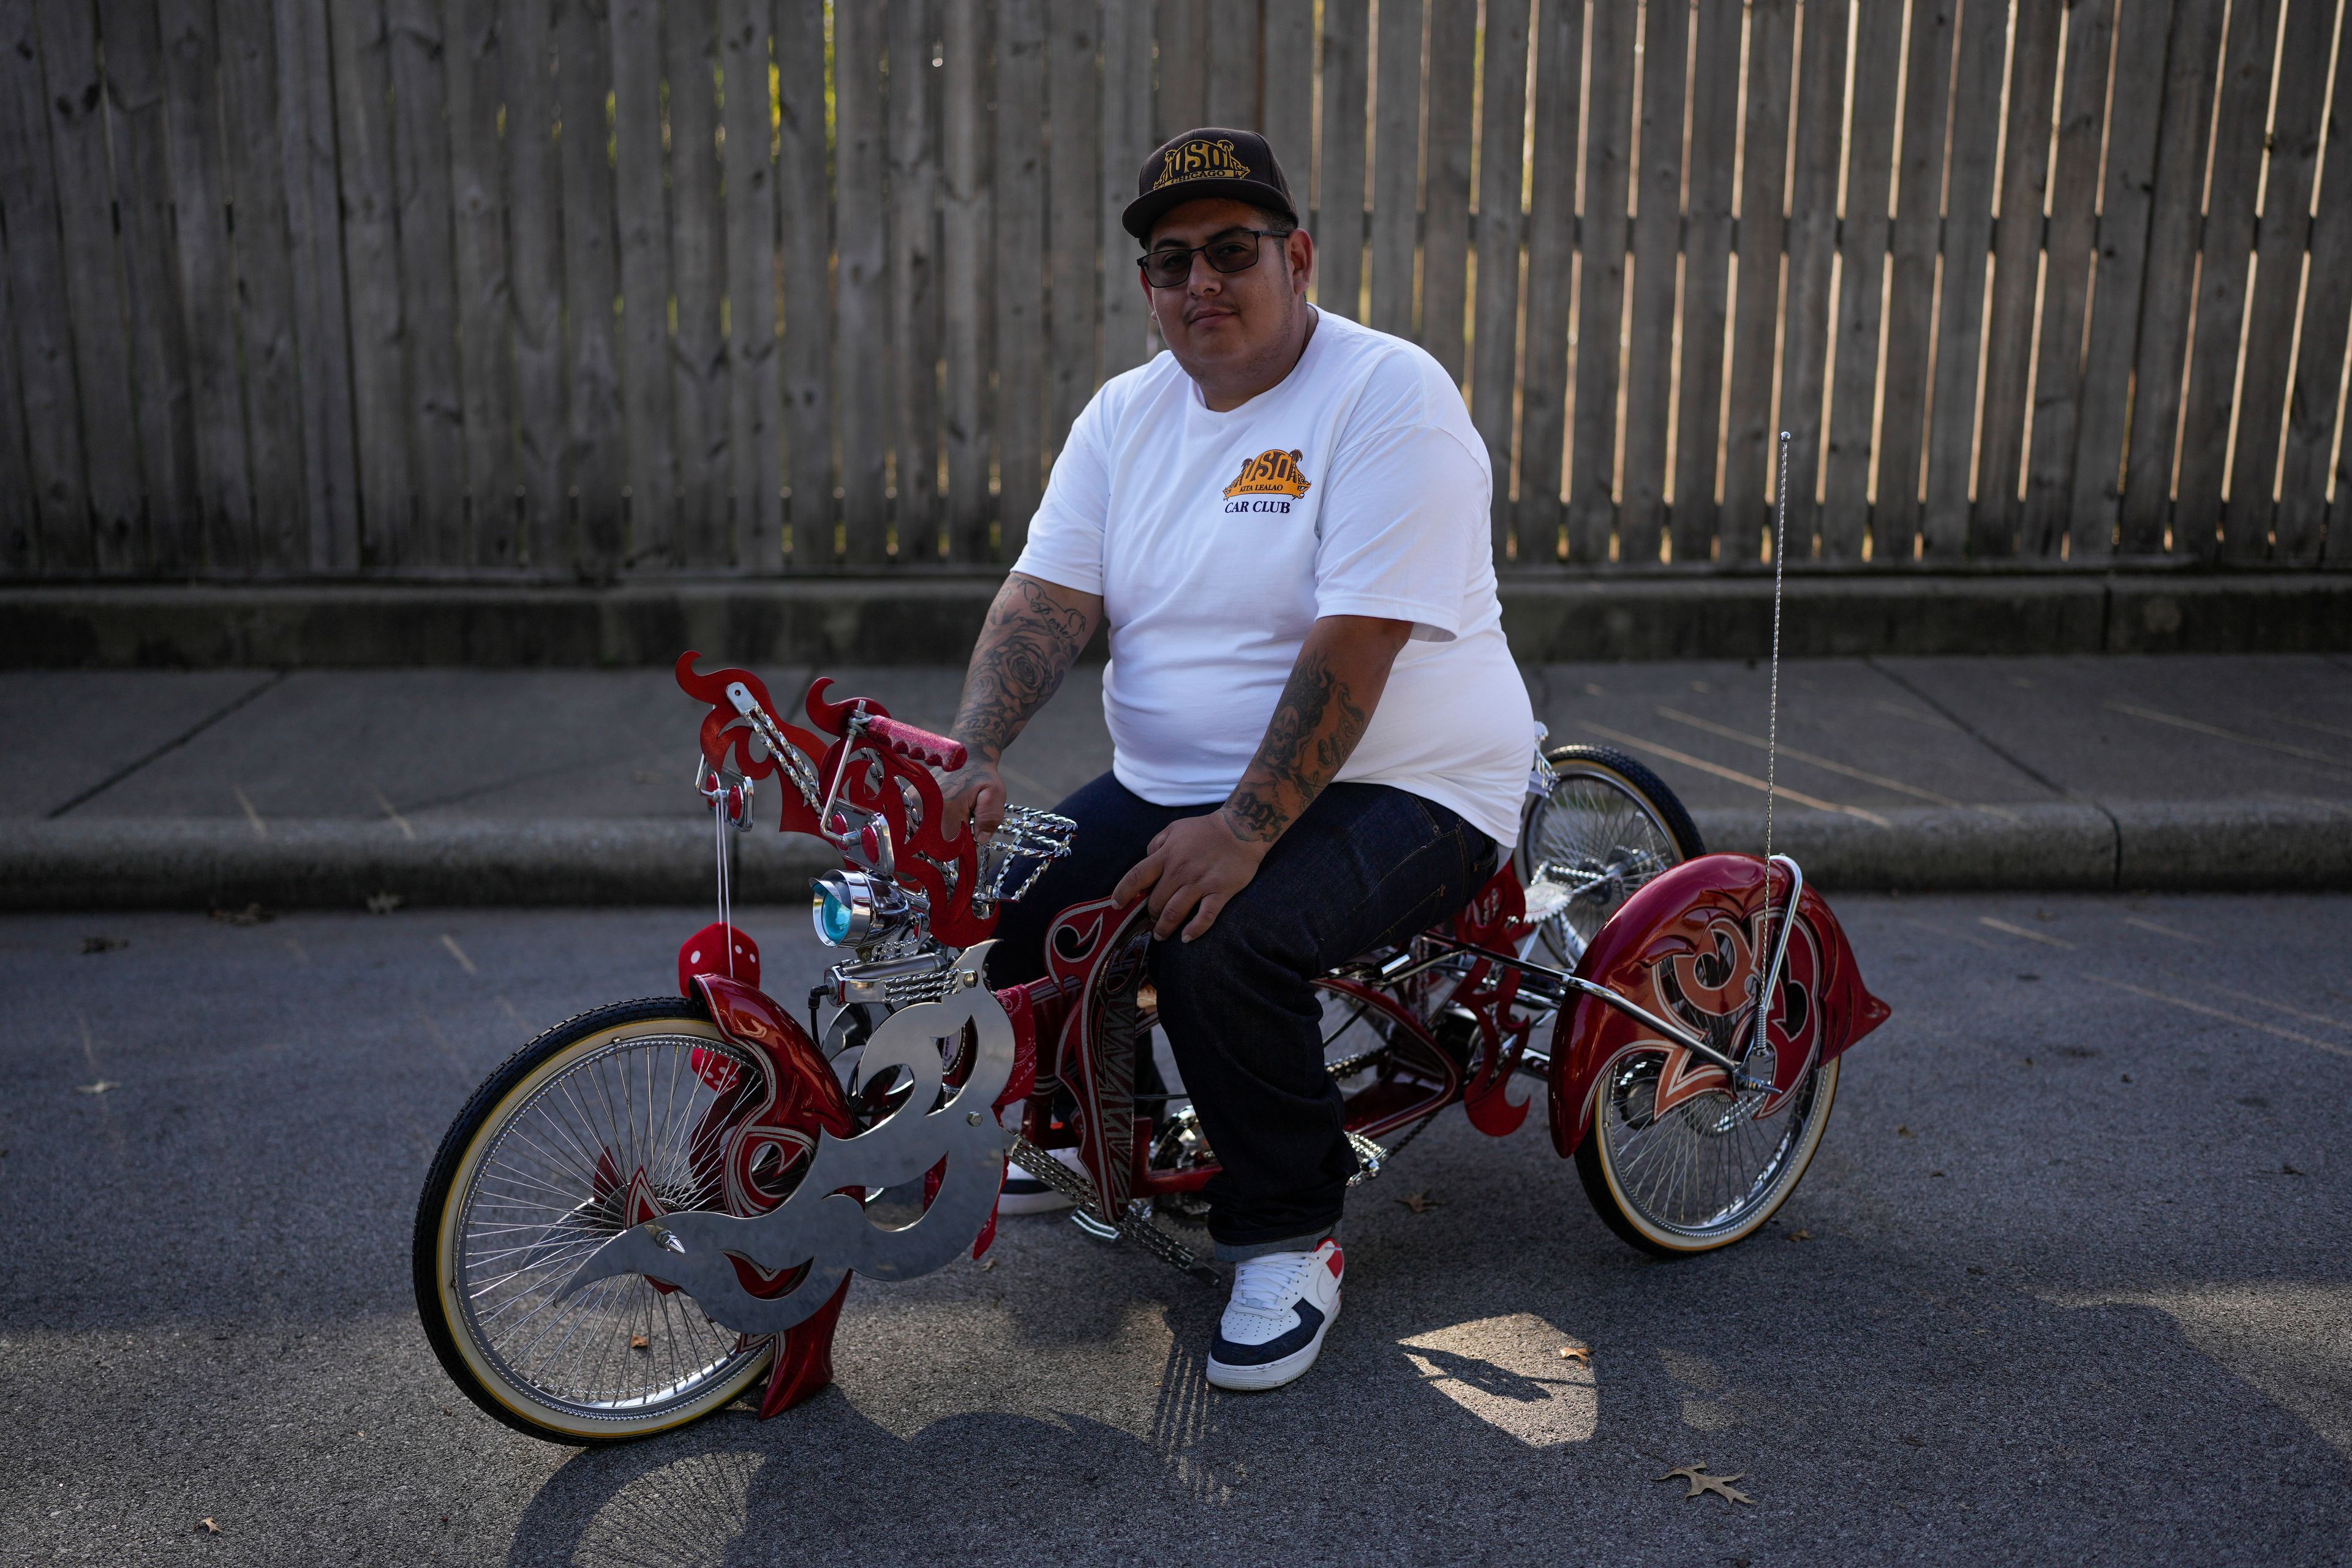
[803, 1098]
[1689, 947]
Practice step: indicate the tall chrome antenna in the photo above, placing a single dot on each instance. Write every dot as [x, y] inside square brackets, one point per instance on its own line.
[1774, 943]
[1772, 732]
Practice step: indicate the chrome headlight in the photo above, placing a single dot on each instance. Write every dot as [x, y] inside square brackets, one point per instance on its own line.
[841, 906]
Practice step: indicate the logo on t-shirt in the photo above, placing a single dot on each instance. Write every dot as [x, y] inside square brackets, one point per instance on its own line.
[1273, 472]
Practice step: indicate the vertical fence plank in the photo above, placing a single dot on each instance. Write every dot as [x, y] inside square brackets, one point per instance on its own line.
[805, 204]
[1968, 235]
[1494, 338]
[371, 250]
[20, 518]
[2294, 143]
[1396, 165]
[1287, 88]
[264, 285]
[207, 289]
[1184, 66]
[102, 339]
[2094, 498]
[965, 248]
[591, 287]
[535, 185]
[699, 364]
[1911, 281]
[1601, 299]
[305, 111]
[640, 203]
[2073, 228]
[754, 454]
[1551, 273]
[1019, 269]
[2167, 292]
[1650, 338]
[476, 76]
[38, 313]
[1125, 139]
[2016, 279]
[1811, 243]
[2227, 251]
[1747, 444]
[863, 309]
[1233, 64]
[1445, 230]
[1706, 263]
[420, 174]
[158, 355]
[2327, 309]
[1862, 250]
[914, 279]
[1338, 217]
[1072, 213]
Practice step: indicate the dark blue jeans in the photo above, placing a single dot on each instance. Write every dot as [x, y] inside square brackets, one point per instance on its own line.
[1364, 866]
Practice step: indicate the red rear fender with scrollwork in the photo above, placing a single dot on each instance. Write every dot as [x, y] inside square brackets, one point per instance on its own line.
[1689, 947]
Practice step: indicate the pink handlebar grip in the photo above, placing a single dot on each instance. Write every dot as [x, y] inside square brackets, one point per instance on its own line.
[917, 745]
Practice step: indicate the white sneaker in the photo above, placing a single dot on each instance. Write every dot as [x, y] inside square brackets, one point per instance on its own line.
[1273, 1325]
[1024, 1194]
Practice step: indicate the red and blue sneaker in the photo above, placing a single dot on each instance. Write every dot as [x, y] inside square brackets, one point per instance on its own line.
[1273, 1328]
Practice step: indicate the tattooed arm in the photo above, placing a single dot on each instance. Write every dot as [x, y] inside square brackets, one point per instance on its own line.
[1200, 863]
[1033, 636]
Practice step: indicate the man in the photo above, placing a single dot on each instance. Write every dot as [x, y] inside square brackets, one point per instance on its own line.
[1320, 738]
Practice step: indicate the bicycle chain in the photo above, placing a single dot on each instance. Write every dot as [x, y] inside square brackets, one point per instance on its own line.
[1133, 1227]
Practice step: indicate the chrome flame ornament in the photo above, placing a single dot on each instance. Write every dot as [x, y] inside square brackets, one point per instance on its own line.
[824, 1226]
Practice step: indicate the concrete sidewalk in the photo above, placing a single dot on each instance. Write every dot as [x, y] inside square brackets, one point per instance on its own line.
[324, 789]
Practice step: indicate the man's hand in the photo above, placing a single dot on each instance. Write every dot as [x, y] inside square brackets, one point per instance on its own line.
[1195, 866]
[974, 792]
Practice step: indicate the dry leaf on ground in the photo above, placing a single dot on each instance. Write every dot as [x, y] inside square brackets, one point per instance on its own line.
[1579, 1354]
[1800, 1235]
[208, 1526]
[1702, 1483]
[637, 1343]
[1420, 1202]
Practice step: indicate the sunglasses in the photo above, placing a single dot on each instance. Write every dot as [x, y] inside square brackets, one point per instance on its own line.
[1235, 251]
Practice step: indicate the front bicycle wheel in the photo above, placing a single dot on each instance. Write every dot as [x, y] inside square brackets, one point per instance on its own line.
[603, 1122]
[1704, 1171]
[1607, 828]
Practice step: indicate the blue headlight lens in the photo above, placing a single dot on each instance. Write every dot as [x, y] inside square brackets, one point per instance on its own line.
[833, 915]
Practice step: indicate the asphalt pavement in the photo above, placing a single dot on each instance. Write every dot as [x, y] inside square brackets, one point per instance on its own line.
[2068, 1282]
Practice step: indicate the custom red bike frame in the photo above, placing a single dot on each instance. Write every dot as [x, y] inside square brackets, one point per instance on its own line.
[1462, 1011]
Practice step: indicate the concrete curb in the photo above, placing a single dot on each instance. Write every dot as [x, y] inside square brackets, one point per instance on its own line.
[2147, 845]
[205, 864]
[926, 616]
[202, 863]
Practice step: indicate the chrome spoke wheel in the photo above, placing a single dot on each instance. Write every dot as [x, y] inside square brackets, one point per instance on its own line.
[1710, 1167]
[1607, 828]
[602, 1132]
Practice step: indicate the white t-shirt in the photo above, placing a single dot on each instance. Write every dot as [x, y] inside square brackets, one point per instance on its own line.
[1356, 486]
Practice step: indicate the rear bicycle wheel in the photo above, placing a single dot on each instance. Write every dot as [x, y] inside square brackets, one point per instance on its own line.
[603, 1122]
[1607, 828]
[1706, 1171]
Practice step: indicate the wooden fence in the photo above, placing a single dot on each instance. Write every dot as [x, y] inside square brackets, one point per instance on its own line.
[469, 287]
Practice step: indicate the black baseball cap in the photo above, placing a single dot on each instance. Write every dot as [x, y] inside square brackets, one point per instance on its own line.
[1209, 162]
